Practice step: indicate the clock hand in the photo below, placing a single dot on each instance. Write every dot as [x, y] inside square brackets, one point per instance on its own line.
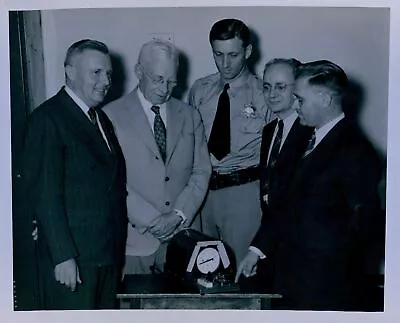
[203, 262]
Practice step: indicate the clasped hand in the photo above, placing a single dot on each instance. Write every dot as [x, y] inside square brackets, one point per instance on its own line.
[165, 225]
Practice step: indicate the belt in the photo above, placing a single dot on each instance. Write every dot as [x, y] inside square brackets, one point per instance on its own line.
[239, 177]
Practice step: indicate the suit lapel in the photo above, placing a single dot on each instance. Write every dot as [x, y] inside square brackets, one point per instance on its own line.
[140, 123]
[174, 127]
[81, 126]
[323, 153]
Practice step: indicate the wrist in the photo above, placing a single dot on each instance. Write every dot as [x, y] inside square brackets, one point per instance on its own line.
[182, 217]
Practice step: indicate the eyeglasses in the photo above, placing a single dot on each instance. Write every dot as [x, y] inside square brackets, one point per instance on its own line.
[278, 87]
[159, 80]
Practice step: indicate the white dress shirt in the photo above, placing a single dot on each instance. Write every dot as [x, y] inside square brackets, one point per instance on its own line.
[287, 125]
[150, 115]
[323, 131]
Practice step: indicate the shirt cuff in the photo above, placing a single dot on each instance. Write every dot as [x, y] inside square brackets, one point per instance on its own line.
[181, 215]
[257, 251]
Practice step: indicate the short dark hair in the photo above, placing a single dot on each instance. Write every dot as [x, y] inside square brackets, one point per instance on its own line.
[84, 44]
[324, 73]
[291, 62]
[228, 29]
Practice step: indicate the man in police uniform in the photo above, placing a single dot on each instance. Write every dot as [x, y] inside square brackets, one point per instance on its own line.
[234, 113]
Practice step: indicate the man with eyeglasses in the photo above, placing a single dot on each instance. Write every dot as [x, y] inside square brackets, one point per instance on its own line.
[234, 113]
[168, 166]
[318, 238]
[284, 142]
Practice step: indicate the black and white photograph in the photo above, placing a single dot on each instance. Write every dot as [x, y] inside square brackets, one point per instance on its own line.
[200, 158]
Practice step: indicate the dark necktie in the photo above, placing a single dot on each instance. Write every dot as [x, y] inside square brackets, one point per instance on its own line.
[273, 157]
[219, 143]
[93, 118]
[310, 146]
[160, 133]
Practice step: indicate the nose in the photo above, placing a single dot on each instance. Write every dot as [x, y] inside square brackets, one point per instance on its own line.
[105, 79]
[164, 87]
[273, 92]
[226, 61]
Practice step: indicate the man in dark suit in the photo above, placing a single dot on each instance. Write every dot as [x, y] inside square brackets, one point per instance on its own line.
[320, 235]
[74, 178]
[284, 141]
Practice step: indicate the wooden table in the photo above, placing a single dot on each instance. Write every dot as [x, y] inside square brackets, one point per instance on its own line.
[156, 292]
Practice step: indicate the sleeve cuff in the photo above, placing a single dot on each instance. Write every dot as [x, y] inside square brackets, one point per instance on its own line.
[181, 215]
[257, 251]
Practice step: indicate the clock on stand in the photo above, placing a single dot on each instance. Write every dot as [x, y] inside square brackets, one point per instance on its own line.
[201, 262]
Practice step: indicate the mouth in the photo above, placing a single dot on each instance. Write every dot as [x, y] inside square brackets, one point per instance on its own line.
[102, 92]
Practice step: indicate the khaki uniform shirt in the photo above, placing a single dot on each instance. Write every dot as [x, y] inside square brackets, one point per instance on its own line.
[249, 114]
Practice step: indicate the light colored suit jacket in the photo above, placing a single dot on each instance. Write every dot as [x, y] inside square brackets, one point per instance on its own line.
[154, 187]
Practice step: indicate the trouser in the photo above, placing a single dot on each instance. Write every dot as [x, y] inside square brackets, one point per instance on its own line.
[153, 263]
[233, 215]
[97, 291]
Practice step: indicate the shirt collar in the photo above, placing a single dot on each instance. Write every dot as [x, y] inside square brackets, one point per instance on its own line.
[323, 131]
[84, 107]
[289, 120]
[147, 104]
[238, 82]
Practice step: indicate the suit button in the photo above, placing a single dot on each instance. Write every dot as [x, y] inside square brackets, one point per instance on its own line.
[167, 179]
[167, 203]
[157, 157]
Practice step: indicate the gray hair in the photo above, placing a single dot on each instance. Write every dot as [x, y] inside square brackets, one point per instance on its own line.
[157, 47]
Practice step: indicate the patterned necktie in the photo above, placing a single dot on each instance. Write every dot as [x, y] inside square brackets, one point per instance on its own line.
[311, 145]
[273, 157]
[219, 143]
[160, 133]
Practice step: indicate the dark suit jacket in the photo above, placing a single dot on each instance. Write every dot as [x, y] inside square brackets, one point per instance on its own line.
[74, 185]
[321, 230]
[291, 152]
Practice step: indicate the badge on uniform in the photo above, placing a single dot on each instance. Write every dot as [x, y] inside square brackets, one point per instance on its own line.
[249, 111]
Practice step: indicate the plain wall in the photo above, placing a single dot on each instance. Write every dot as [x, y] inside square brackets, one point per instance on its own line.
[357, 39]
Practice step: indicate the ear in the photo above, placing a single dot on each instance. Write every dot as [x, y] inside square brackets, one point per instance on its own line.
[138, 71]
[248, 51]
[325, 99]
[70, 71]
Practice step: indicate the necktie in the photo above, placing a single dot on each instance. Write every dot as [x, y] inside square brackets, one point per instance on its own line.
[273, 157]
[160, 133]
[311, 144]
[219, 143]
[93, 118]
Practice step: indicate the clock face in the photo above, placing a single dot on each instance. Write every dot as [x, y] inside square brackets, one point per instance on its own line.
[208, 260]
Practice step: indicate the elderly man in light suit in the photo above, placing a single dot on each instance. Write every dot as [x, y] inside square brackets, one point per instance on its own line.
[168, 165]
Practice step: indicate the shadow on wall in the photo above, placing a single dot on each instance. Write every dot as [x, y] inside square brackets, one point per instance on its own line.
[118, 78]
[182, 77]
[353, 100]
[255, 56]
